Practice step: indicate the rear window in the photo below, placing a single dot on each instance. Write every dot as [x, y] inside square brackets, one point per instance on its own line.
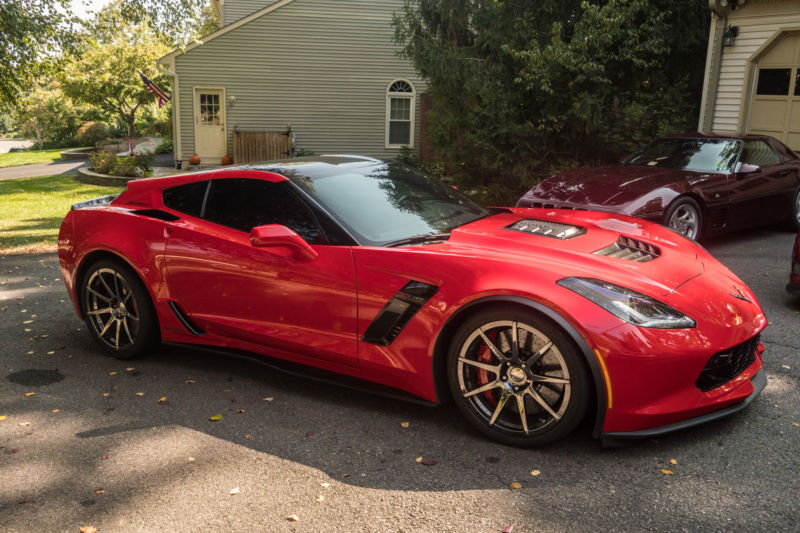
[186, 198]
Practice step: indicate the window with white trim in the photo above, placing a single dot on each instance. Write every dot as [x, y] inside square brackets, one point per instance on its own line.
[400, 114]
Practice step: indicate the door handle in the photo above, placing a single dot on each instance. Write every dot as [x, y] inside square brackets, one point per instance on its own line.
[783, 173]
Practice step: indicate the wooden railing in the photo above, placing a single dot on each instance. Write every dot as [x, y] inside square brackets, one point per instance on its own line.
[251, 146]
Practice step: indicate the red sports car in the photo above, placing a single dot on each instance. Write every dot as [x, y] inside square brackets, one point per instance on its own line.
[531, 319]
[794, 275]
[695, 184]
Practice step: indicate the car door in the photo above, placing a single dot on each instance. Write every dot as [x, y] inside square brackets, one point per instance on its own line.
[762, 196]
[265, 296]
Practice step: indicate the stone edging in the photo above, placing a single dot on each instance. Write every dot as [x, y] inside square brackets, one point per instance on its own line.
[78, 153]
[95, 178]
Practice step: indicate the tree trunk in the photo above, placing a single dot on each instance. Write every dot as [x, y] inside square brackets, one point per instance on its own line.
[131, 127]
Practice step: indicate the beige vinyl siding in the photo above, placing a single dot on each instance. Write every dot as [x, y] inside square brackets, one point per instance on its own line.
[322, 66]
[233, 10]
[757, 20]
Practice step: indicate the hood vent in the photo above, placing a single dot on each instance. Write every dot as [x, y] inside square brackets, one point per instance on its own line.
[631, 250]
[547, 229]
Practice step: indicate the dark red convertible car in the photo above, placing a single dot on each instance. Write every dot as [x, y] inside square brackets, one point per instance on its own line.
[695, 184]
[530, 319]
[794, 274]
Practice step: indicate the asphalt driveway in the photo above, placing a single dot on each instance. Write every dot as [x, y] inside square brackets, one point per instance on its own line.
[128, 446]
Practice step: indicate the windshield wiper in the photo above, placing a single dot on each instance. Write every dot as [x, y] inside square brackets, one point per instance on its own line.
[420, 239]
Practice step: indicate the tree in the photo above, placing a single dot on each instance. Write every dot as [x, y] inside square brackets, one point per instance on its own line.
[47, 115]
[33, 33]
[106, 75]
[521, 85]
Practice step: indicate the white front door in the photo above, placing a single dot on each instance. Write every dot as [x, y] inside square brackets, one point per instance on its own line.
[209, 124]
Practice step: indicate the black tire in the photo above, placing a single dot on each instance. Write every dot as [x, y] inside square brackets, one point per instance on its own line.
[490, 396]
[685, 216]
[117, 310]
[793, 220]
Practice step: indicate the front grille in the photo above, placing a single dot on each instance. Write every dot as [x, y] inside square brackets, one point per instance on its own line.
[727, 364]
[631, 249]
[547, 228]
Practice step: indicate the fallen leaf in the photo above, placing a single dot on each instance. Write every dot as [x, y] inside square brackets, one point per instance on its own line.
[310, 434]
[112, 373]
[105, 457]
[30, 352]
[292, 518]
[347, 475]
[404, 424]
[787, 367]
[139, 394]
[673, 462]
[163, 399]
[666, 472]
[106, 394]
[319, 499]
[429, 462]
[234, 491]
[325, 484]
[248, 436]
[27, 321]
[130, 369]
[795, 424]
[24, 424]
[508, 529]
[515, 485]
[99, 491]
[268, 399]
[55, 411]
[51, 352]
[419, 459]
[27, 330]
[29, 393]
[88, 529]
[3, 417]
[24, 500]
[190, 381]
[535, 472]
[240, 411]
[191, 459]
[43, 336]
[215, 418]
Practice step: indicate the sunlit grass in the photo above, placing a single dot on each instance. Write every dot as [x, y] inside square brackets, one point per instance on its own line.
[31, 209]
[29, 157]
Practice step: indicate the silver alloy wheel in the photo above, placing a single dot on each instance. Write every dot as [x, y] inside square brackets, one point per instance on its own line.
[111, 308]
[685, 220]
[797, 206]
[514, 377]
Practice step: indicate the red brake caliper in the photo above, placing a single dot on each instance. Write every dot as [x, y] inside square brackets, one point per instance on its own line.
[485, 356]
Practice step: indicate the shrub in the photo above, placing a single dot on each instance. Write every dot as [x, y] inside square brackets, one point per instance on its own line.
[92, 133]
[126, 166]
[103, 162]
[300, 152]
[408, 156]
[165, 146]
[143, 160]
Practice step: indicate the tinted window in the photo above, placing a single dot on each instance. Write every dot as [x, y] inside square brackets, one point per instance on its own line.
[759, 153]
[700, 155]
[774, 81]
[186, 198]
[243, 204]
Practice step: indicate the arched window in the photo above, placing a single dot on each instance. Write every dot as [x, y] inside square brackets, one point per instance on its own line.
[400, 104]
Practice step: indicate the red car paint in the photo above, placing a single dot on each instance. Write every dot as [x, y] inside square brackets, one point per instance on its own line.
[729, 201]
[315, 312]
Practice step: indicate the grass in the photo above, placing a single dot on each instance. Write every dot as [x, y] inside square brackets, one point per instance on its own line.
[29, 157]
[31, 210]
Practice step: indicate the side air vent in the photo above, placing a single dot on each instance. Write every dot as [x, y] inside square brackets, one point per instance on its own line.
[546, 228]
[156, 213]
[398, 312]
[631, 250]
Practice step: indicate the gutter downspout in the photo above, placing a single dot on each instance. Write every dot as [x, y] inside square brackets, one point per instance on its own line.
[176, 114]
[713, 65]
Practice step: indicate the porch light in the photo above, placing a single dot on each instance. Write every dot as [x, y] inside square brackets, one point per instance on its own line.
[729, 36]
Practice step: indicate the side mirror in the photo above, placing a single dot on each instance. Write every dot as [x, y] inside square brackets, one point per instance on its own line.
[275, 235]
[746, 168]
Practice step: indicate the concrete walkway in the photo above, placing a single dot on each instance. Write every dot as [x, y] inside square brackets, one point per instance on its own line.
[41, 169]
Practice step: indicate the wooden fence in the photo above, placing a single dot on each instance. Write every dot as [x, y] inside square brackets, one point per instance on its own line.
[251, 146]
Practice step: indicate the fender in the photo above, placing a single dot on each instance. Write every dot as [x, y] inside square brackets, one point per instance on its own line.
[563, 323]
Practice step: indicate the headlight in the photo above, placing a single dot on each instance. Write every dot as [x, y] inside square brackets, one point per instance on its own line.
[628, 305]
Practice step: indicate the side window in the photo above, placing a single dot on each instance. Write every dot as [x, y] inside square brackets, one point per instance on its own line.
[759, 152]
[186, 198]
[243, 204]
[400, 100]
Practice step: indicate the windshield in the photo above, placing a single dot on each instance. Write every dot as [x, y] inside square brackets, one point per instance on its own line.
[380, 203]
[699, 155]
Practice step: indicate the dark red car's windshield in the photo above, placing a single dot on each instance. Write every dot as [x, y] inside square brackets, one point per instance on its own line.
[699, 155]
[381, 203]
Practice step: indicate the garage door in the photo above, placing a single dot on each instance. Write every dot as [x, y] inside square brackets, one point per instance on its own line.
[775, 103]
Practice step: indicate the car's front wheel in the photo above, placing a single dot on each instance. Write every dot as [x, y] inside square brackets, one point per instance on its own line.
[517, 377]
[117, 310]
[685, 216]
[793, 221]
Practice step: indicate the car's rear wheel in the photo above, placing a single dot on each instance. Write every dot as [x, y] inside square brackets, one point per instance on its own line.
[517, 377]
[117, 310]
[685, 216]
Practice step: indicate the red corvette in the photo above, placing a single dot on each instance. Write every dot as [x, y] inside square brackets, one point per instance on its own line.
[694, 184]
[531, 319]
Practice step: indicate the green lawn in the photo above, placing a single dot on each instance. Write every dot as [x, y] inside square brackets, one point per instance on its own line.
[28, 157]
[31, 209]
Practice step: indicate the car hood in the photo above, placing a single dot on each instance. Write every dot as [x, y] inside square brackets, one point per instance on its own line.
[609, 186]
[640, 255]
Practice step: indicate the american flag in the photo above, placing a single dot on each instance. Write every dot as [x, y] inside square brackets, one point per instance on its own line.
[159, 93]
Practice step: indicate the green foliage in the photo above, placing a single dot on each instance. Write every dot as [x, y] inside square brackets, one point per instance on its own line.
[165, 146]
[33, 33]
[134, 166]
[300, 152]
[103, 162]
[48, 116]
[92, 133]
[521, 86]
[408, 156]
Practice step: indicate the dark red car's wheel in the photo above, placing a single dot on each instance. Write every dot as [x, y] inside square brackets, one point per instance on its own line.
[117, 310]
[794, 212]
[685, 216]
[532, 389]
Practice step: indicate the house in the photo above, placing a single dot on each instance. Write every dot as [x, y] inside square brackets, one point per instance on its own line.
[752, 77]
[328, 69]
